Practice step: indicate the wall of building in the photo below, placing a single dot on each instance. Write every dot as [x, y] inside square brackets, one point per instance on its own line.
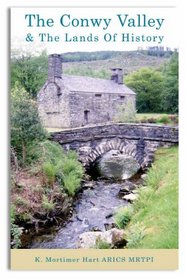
[53, 105]
[92, 108]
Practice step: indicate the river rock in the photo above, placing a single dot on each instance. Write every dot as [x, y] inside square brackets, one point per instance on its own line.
[113, 164]
[131, 197]
[89, 239]
[144, 176]
[127, 188]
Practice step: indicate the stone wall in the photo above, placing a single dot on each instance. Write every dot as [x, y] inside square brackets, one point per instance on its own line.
[53, 105]
[128, 131]
[96, 108]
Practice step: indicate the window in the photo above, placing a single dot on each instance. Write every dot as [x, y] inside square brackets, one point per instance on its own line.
[98, 95]
[122, 97]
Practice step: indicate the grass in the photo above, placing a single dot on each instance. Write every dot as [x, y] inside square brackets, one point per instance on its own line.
[158, 118]
[140, 116]
[154, 224]
[123, 216]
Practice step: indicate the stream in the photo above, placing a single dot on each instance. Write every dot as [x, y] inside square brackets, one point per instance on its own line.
[93, 211]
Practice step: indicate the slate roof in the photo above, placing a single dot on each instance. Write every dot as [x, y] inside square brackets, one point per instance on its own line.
[95, 85]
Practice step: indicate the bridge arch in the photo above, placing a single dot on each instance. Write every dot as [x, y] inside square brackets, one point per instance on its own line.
[124, 147]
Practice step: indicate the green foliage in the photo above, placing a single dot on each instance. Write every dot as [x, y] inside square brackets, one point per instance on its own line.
[165, 119]
[89, 56]
[159, 118]
[148, 84]
[25, 124]
[100, 68]
[123, 216]
[72, 172]
[50, 171]
[87, 71]
[15, 230]
[170, 84]
[71, 183]
[21, 201]
[29, 71]
[47, 204]
[51, 152]
[59, 166]
[100, 244]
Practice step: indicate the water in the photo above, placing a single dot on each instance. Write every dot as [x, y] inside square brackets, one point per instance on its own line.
[93, 211]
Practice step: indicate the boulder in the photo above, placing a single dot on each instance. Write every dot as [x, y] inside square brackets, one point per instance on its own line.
[113, 164]
[90, 239]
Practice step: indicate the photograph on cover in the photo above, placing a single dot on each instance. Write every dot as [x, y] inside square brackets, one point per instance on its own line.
[94, 129]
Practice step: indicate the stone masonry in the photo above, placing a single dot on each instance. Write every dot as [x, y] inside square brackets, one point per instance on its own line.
[75, 101]
[139, 141]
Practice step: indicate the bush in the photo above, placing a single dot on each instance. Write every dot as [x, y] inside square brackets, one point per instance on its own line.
[50, 172]
[164, 119]
[46, 204]
[123, 216]
[100, 244]
[15, 230]
[71, 183]
[58, 166]
[69, 172]
[26, 128]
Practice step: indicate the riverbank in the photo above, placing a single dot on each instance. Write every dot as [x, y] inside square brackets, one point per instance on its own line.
[43, 191]
[154, 223]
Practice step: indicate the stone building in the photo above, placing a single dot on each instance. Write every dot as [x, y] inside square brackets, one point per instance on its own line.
[74, 101]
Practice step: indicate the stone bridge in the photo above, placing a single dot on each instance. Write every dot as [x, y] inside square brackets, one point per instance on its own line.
[139, 141]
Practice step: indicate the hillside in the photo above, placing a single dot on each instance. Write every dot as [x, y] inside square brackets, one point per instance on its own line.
[128, 60]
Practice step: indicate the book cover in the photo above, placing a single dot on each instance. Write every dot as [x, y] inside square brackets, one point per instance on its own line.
[94, 138]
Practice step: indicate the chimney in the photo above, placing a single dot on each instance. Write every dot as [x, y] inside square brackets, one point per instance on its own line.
[117, 75]
[54, 67]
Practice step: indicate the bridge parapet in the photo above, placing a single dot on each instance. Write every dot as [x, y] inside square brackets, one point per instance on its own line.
[121, 130]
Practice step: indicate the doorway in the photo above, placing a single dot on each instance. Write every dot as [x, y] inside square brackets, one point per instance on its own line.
[86, 116]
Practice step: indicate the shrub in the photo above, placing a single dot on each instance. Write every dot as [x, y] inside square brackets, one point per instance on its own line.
[15, 230]
[71, 183]
[69, 172]
[100, 244]
[20, 201]
[50, 172]
[164, 119]
[72, 166]
[123, 216]
[46, 204]
[25, 124]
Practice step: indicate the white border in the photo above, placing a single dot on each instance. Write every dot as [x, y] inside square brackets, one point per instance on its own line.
[4, 54]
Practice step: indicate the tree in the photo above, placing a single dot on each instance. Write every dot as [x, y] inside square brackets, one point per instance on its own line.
[30, 71]
[170, 90]
[148, 85]
[25, 124]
